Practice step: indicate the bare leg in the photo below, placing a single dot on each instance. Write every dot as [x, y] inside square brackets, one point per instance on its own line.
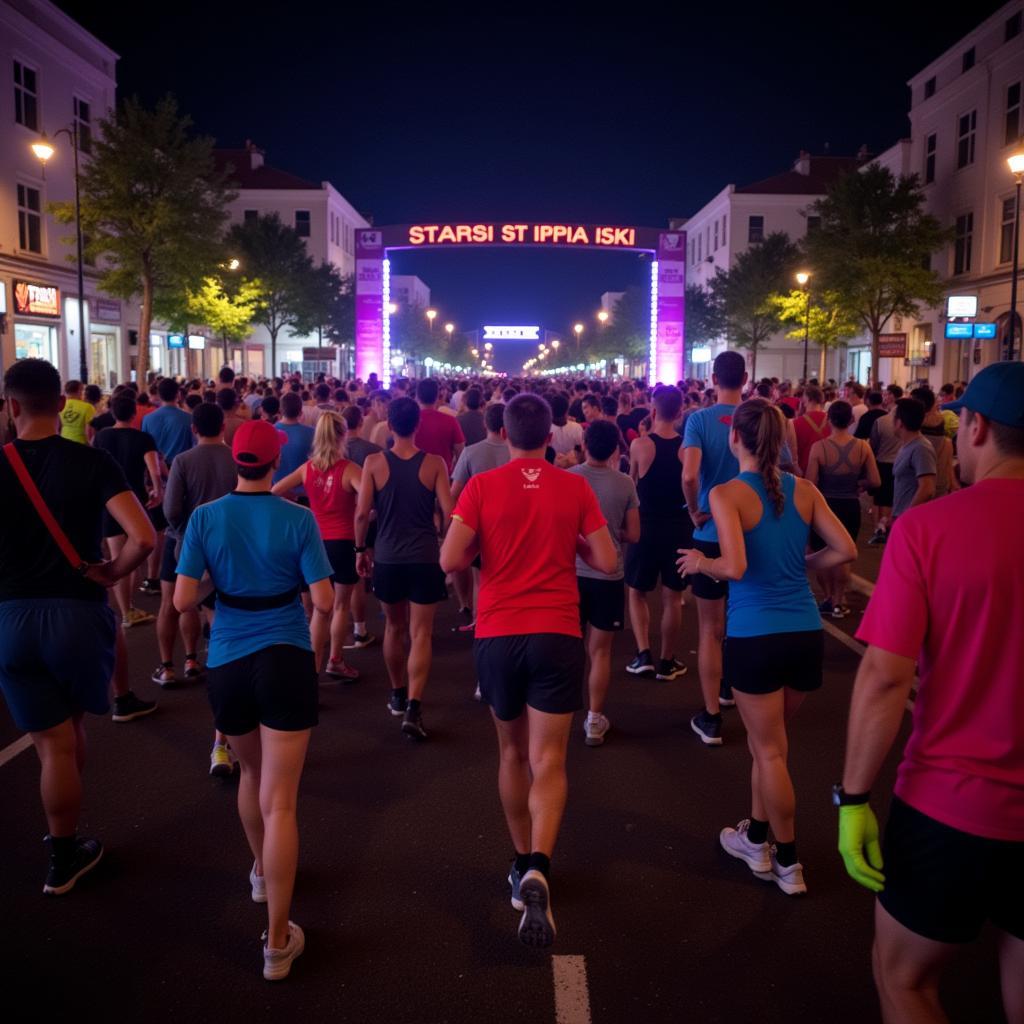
[671, 621]
[421, 648]
[61, 753]
[514, 778]
[119, 683]
[1011, 968]
[153, 563]
[840, 583]
[549, 738]
[123, 587]
[190, 627]
[248, 751]
[359, 602]
[640, 618]
[711, 621]
[339, 620]
[167, 622]
[396, 636]
[319, 628]
[599, 648]
[463, 581]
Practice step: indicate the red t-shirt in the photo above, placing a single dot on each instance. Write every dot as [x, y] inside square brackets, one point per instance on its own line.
[957, 605]
[437, 434]
[527, 515]
[810, 427]
[332, 506]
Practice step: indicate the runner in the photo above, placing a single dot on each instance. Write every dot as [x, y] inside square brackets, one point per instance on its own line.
[332, 482]
[402, 485]
[76, 415]
[663, 531]
[258, 549]
[774, 648]
[528, 519]
[913, 474]
[954, 842]
[707, 462]
[602, 595]
[300, 442]
[437, 434]
[811, 425]
[471, 417]
[886, 445]
[57, 632]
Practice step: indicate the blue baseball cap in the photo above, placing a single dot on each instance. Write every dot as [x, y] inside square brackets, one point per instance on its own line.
[997, 392]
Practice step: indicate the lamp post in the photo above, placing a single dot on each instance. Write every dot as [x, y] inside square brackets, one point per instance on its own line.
[44, 149]
[603, 316]
[803, 279]
[578, 329]
[431, 316]
[1016, 163]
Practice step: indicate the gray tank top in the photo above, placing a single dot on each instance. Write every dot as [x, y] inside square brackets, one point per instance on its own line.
[406, 533]
[838, 479]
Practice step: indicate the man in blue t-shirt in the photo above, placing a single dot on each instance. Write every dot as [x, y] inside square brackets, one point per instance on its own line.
[258, 550]
[169, 426]
[300, 440]
[708, 462]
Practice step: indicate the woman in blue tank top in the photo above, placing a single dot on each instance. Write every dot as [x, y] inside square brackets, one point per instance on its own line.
[774, 641]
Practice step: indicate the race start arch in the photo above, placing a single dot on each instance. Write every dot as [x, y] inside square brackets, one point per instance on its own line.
[373, 278]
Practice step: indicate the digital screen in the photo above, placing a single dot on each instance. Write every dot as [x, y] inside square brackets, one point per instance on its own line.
[959, 330]
[984, 330]
[196, 341]
[175, 340]
[961, 305]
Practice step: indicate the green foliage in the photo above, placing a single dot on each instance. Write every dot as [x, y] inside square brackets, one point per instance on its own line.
[327, 308]
[627, 332]
[411, 334]
[230, 315]
[152, 207]
[704, 320]
[830, 323]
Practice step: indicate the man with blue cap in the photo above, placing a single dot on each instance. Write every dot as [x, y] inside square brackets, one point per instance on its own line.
[950, 601]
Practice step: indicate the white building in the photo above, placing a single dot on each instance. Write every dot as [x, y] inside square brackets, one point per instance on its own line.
[319, 213]
[967, 118]
[57, 76]
[408, 290]
[739, 217]
[609, 300]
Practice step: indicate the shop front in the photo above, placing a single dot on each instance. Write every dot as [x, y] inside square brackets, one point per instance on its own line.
[196, 352]
[36, 308]
[105, 343]
[177, 356]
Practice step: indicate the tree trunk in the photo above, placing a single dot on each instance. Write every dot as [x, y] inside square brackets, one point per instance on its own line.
[875, 346]
[145, 323]
[821, 365]
[753, 362]
[273, 353]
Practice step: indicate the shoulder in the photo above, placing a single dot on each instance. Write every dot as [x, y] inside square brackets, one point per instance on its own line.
[435, 462]
[802, 487]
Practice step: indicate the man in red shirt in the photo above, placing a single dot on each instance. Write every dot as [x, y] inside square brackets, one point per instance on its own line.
[437, 433]
[812, 426]
[528, 519]
[954, 842]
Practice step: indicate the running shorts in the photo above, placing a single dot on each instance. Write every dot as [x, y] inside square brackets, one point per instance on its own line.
[56, 659]
[342, 556]
[542, 670]
[847, 511]
[944, 884]
[703, 585]
[169, 561]
[654, 555]
[419, 582]
[765, 664]
[883, 495]
[602, 603]
[275, 687]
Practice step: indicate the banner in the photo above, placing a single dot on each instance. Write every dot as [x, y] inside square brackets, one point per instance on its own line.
[369, 303]
[892, 346]
[671, 329]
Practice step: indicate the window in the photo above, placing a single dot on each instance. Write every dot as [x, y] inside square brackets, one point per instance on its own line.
[700, 239]
[30, 221]
[755, 229]
[83, 125]
[26, 96]
[1012, 27]
[929, 88]
[968, 61]
[250, 217]
[1013, 133]
[919, 351]
[962, 244]
[1006, 231]
[966, 125]
[724, 222]
[716, 235]
[930, 145]
[707, 240]
[302, 223]
[813, 223]
[693, 250]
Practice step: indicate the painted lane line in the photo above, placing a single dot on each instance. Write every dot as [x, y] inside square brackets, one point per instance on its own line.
[861, 585]
[10, 752]
[859, 648]
[572, 1000]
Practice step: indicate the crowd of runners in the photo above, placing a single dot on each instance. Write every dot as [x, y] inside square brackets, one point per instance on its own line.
[272, 517]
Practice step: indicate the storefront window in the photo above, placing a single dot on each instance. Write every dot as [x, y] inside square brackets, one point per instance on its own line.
[103, 369]
[35, 341]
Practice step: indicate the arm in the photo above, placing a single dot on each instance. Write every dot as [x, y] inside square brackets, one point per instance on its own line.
[460, 547]
[174, 498]
[732, 565]
[288, 483]
[840, 546]
[322, 594]
[443, 491]
[630, 532]
[872, 478]
[597, 549]
[925, 490]
[364, 505]
[129, 514]
[691, 485]
[155, 479]
[813, 464]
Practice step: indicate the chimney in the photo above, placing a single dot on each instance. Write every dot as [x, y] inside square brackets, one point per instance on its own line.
[803, 163]
[255, 155]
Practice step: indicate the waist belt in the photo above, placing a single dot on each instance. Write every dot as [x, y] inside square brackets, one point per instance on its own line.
[258, 604]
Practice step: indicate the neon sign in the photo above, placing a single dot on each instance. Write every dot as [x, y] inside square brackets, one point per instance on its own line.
[36, 299]
[492, 333]
[600, 236]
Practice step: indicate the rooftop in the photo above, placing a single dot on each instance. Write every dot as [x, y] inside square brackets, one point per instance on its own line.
[809, 176]
[248, 170]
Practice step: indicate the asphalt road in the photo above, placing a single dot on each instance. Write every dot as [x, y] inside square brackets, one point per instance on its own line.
[401, 884]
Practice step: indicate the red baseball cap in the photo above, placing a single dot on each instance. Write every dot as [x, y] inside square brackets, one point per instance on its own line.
[257, 443]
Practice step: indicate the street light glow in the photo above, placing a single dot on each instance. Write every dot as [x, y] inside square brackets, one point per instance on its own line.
[449, 328]
[578, 328]
[42, 149]
[555, 344]
[1016, 163]
[603, 316]
[234, 264]
[803, 277]
[392, 308]
[431, 313]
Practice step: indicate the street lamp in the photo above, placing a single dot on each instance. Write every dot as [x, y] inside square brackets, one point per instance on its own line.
[488, 346]
[803, 279]
[555, 344]
[578, 328]
[603, 316]
[392, 308]
[1016, 163]
[431, 315]
[449, 328]
[43, 150]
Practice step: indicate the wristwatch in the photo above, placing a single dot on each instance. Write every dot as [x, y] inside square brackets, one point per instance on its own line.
[840, 798]
[360, 551]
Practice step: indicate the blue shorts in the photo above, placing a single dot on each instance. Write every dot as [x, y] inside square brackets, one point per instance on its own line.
[56, 659]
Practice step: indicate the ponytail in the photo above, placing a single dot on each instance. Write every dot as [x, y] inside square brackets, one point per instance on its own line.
[760, 428]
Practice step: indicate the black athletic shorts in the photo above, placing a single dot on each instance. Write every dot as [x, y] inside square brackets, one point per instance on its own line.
[944, 884]
[847, 511]
[702, 585]
[169, 561]
[275, 687]
[654, 555]
[542, 670]
[602, 603]
[342, 556]
[883, 495]
[421, 583]
[112, 528]
[764, 664]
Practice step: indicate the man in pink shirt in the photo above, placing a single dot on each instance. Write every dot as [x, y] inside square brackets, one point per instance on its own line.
[950, 598]
[437, 433]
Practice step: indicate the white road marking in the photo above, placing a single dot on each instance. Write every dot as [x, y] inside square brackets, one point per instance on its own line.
[861, 585]
[10, 752]
[572, 1000]
[859, 648]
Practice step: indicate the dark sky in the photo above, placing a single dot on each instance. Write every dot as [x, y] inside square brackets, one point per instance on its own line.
[452, 113]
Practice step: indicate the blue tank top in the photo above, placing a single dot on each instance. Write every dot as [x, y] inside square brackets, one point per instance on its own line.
[774, 595]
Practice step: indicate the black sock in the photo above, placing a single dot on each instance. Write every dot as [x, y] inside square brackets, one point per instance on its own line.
[400, 692]
[522, 863]
[785, 853]
[63, 848]
[758, 831]
[716, 717]
[540, 862]
[414, 705]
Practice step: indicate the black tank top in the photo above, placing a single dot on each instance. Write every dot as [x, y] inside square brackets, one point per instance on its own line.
[661, 487]
[405, 515]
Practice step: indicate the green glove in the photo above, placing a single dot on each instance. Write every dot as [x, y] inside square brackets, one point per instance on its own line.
[858, 834]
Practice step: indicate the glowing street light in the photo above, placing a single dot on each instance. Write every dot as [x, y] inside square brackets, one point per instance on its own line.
[555, 344]
[1016, 163]
[475, 352]
[803, 279]
[603, 316]
[392, 308]
[449, 328]
[431, 316]
[488, 346]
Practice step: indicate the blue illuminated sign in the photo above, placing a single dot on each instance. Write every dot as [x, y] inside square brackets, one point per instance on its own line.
[959, 330]
[175, 340]
[984, 330]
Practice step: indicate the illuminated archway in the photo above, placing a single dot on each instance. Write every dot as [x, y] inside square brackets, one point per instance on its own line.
[668, 278]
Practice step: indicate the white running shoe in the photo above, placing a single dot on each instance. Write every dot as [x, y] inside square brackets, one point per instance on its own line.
[735, 843]
[259, 886]
[277, 963]
[595, 728]
[790, 880]
[537, 927]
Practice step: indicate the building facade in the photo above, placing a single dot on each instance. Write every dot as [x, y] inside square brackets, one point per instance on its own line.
[409, 291]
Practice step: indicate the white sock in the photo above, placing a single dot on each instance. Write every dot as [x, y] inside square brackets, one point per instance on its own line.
[359, 628]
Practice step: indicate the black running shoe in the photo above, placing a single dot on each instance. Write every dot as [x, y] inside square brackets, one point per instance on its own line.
[725, 697]
[397, 703]
[642, 664]
[537, 927]
[412, 725]
[129, 707]
[515, 880]
[149, 586]
[708, 728]
[669, 669]
[61, 878]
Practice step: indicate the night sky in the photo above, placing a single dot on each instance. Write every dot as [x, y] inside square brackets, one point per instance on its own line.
[465, 114]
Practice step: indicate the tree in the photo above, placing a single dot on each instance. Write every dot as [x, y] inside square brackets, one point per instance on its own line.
[874, 248]
[152, 208]
[327, 306]
[230, 315]
[830, 322]
[275, 254]
[704, 320]
[412, 335]
[742, 293]
[628, 330]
